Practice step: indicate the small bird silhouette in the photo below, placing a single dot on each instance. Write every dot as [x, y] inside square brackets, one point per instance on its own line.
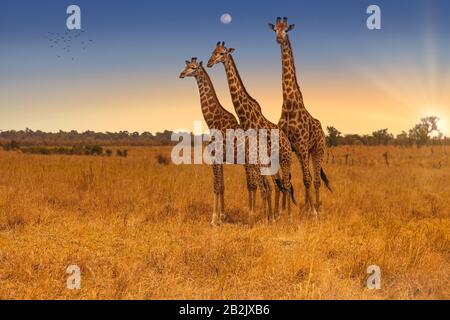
[71, 43]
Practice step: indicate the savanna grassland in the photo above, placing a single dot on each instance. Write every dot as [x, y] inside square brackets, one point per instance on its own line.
[140, 229]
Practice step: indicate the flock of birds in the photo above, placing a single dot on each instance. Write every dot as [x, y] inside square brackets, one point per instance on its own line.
[67, 44]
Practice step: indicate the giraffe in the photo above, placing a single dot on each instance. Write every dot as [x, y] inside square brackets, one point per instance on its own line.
[216, 117]
[305, 133]
[251, 117]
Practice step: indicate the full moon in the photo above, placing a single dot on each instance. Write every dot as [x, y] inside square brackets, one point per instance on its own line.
[226, 18]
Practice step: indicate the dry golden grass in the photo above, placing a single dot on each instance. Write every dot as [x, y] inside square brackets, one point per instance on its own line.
[140, 229]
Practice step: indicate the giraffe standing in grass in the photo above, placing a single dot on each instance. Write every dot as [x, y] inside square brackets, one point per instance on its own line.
[251, 117]
[216, 117]
[305, 133]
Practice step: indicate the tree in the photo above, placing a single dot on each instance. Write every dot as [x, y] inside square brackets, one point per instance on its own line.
[333, 136]
[382, 136]
[403, 139]
[421, 132]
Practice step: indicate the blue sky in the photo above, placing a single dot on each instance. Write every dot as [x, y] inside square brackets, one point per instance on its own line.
[139, 48]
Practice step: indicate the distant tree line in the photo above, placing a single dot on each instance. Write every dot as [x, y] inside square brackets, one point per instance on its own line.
[424, 133]
[79, 150]
[29, 137]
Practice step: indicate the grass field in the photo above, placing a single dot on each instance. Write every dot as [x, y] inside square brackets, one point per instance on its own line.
[140, 229]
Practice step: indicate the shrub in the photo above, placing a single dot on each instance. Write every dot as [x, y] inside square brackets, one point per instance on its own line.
[122, 153]
[162, 159]
[11, 146]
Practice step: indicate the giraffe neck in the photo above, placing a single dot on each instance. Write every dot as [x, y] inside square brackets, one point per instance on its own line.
[243, 103]
[208, 98]
[291, 89]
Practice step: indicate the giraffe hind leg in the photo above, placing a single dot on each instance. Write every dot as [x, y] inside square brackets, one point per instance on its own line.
[304, 165]
[287, 187]
[278, 184]
[317, 159]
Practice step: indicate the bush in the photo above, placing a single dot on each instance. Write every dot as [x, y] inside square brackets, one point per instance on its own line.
[122, 153]
[11, 146]
[162, 159]
[80, 150]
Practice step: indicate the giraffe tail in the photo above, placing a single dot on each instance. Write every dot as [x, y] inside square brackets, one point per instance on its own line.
[284, 190]
[291, 192]
[325, 179]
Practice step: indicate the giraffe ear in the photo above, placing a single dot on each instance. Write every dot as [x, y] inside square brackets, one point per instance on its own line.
[201, 63]
[230, 50]
[272, 26]
[187, 62]
[292, 26]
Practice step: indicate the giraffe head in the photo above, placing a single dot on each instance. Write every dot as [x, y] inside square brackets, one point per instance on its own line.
[281, 29]
[220, 54]
[192, 68]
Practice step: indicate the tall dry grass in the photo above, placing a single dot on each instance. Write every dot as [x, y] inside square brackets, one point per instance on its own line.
[140, 229]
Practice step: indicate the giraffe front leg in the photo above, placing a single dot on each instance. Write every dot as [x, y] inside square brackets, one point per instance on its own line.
[265, 190]
[222, 214]
[251, 175]
[284, 201]
[253, 202]
[268, 191]
[277, 210]
[217, 206]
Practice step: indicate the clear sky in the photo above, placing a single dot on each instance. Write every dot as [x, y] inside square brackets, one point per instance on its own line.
[126, 78]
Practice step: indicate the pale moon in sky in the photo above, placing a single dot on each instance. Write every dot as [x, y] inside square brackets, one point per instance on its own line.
[226, 18]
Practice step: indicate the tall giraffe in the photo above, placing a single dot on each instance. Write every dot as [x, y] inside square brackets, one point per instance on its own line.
[251, 117]
[216, 117]
[305, 133]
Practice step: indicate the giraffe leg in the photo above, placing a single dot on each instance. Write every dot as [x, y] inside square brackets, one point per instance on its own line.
[250, 173]
[284, 201]
[270, 212]
[277, 202]
[222, 194]
[253, 201]
[217, 181]
[304, 164]
[266, 191]
[287, 186]
[278, 191]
